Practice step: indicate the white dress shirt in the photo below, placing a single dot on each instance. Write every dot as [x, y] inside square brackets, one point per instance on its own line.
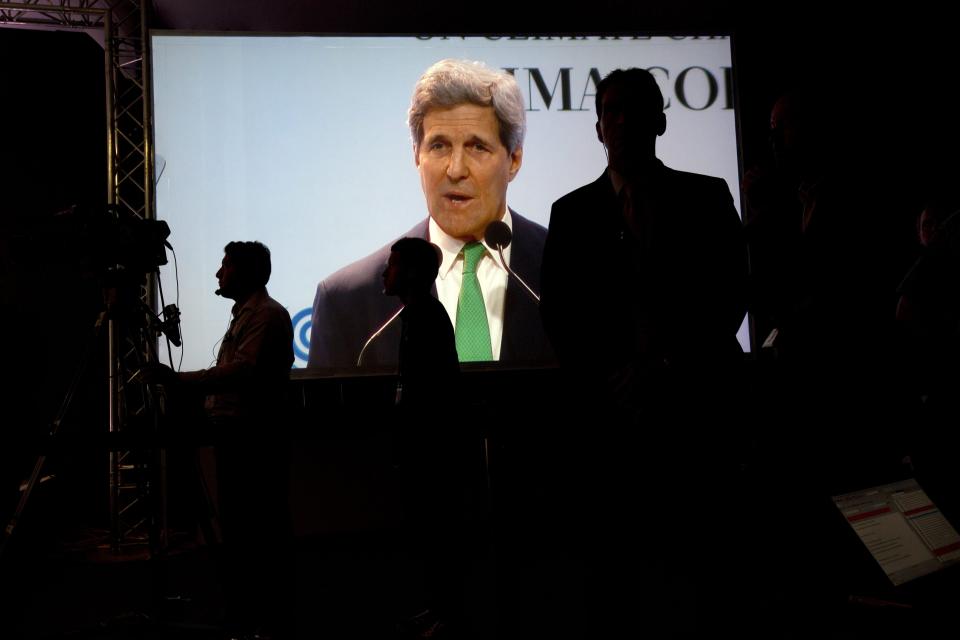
[491, 274]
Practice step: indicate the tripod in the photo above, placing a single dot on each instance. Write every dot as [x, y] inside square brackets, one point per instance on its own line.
[33, 479]
[138, 533]
[125, 345]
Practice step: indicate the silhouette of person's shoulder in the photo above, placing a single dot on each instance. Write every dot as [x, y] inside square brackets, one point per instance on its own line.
[270, 308]
[588, 191]
[680, 188]
[428, 339]
[348, 306]
[675, 177]
[364, 274]
[587, 204]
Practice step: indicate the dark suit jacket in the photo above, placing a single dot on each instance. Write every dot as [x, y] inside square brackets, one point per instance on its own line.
[350, 306]
[609, 300]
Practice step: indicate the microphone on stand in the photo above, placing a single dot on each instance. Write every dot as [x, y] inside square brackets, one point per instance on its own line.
[498, 235]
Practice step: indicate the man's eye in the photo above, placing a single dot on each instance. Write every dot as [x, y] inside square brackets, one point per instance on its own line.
[478, 146]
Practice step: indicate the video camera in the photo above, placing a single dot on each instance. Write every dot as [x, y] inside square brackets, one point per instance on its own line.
[109, 237]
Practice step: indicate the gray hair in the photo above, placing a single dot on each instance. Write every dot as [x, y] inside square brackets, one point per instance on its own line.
[449, 83]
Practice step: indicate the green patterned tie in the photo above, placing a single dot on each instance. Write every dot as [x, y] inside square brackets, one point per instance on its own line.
[472, 331]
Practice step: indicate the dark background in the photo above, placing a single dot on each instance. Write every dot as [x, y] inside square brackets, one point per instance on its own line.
[889, 80]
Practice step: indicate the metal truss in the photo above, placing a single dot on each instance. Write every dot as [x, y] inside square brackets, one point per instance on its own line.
[135, 477]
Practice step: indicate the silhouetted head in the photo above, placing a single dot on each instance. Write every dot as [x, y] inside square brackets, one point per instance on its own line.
[412, 267]
[927, 227]
[930, 222]
[629, 118]
[245, 269]
[798, 131]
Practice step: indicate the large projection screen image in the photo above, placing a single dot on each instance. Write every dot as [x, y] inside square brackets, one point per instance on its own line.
[301, 142]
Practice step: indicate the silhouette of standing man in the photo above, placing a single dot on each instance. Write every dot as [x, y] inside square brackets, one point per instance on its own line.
[433, 442]
[645, 268]
[428, 355]
[643, 291]
[245, 395]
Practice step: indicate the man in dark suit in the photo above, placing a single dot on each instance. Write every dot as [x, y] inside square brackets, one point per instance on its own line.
[644, 268]
[643, 291]
[467, 123]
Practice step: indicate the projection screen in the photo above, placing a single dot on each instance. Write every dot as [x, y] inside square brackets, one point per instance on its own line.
[301, 142]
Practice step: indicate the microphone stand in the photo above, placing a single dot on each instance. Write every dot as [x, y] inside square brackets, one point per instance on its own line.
[526, 287]
[376, 334]
[499, 236]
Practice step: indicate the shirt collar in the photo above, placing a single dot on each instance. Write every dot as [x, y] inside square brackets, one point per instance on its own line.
[451, 247]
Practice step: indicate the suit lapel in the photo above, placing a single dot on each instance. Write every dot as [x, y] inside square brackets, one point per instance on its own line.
[610, 205]
[525, 264]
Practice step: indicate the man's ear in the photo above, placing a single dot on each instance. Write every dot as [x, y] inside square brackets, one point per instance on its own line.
[516, 159]
[416, 156]
[599, 132]
[661, 123]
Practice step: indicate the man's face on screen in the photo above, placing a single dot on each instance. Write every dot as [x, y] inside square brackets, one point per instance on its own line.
[465, 169]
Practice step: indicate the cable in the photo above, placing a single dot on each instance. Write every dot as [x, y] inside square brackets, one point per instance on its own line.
[176, 279]
[216, 345]
[163, 304]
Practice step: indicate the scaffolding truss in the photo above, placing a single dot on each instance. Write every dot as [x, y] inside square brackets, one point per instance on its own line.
[135, 478]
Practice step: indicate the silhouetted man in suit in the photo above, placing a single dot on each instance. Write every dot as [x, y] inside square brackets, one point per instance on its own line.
[429, 368]
[644, 268]
[433, 456]
[643, 293]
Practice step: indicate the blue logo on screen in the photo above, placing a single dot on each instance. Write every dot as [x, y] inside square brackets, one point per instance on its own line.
[301, 333]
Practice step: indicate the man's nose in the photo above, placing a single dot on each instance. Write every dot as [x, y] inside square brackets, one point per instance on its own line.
[457, 166]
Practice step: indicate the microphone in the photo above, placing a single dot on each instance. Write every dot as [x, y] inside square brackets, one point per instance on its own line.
[171, 324]
[498, 235]
[376, 334]
[218, 292]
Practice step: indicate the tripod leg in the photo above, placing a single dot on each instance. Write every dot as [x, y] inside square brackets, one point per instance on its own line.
[22, 504]
[34, 478]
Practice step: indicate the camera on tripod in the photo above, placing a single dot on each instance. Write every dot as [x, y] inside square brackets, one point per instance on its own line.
[122, 249]
[107, 238]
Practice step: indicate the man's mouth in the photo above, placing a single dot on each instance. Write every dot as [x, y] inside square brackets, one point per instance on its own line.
[457, 198]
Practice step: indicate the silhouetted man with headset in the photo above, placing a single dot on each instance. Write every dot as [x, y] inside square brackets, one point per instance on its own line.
[245, 401]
